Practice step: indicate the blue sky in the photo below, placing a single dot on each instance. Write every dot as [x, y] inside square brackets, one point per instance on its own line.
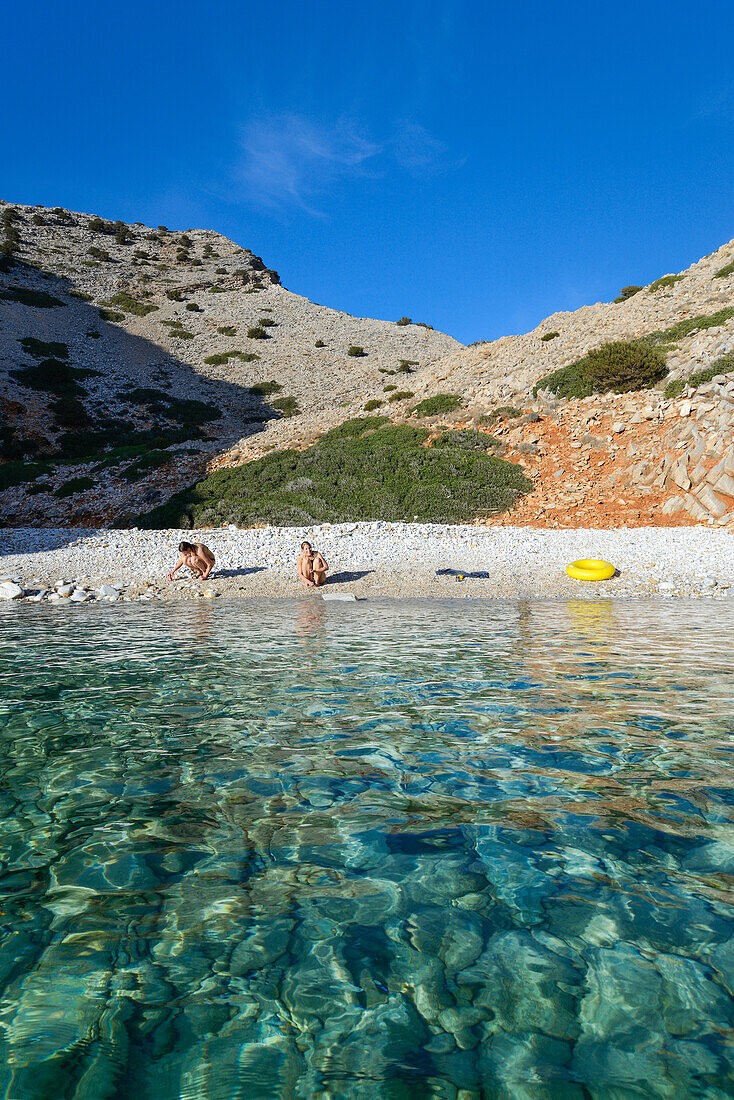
[473, 165]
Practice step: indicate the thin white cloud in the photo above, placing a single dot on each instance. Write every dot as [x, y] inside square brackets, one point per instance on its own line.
[291, 160]
[417, 150]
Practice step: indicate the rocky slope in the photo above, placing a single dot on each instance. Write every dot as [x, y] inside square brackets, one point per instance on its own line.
[191, 337]
[108, 334]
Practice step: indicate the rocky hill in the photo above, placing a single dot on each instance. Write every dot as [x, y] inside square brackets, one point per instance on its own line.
[137, 360]
[132, 356]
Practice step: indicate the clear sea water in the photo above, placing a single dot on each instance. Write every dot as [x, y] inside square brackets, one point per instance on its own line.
[380, 850]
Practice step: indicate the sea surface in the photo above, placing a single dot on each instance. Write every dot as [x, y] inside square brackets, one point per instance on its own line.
[381, 850]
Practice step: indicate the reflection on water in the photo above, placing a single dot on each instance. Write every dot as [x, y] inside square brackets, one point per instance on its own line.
[307, 850]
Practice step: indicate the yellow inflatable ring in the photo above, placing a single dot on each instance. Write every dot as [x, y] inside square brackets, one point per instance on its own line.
[590, 569]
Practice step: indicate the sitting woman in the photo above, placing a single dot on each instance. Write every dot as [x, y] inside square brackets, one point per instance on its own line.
[197, 557]
[312, 566]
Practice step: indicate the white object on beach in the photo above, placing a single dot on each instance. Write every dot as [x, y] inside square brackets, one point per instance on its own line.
[80, 596]
[346, 597]
[9, 590]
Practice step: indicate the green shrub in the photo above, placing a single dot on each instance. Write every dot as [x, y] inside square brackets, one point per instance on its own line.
[504, 412]
[185, 240]
[424, 324]
[404, 321]
[627, 292]
[467, 439]
[81, 295]
[401, 395]
[550, 335]
[99, 253]
[111, 315]
[38, 219]
[725, 272]
[176, 295]
[372, 404]
[355, 350]
[186, 411]
[222, 357]
[685, 328]
[367, 469]
[264, 389]
[193, 308]
[438, 405]
[152, 460]
[619, 367]
[319, 344]
[122, 234]
[227, 330]
[664, 281]
[700, 377]
[132, 305]
[258, 333]
[19, 473]
[181, 334]
[99, 225]
[44, 349]
[288, 406]
[69, 413]
[406, 366]
[37, 298]
[163, 229]
[74, 485]
[266, 322]
[59, 212]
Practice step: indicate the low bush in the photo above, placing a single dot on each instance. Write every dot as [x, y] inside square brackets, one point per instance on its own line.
[181, 334]
[372, 404]
[390, 386]
[70, 413]
[44, 349]
[400, 395]
[367, 469]
[37, 298]
[406, 366]
[74, 485]
[618, 367]
[185, 411]
[38, 219]
[227, 330]
[722, 366]
[438, 405]
[355, 350]
[691, 324]
[99, 253]
[81, 295]
[424, 324]
[193, 308]
[404, 321]
[60, 212]
[725, 272]
[132, 305]
[287, 406]
[319, 344]
[258, 333]
[467, 439]
[550, 335]
[175, 295]
[222, 357]
[142, 466]
[18, 472]
[627, 292]
[111, 315]
[664, 281]
[163, 229]
[266, 322]
[504, 412]
[264, 389]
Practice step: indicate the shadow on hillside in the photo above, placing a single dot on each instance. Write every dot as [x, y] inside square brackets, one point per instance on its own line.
[45, 309]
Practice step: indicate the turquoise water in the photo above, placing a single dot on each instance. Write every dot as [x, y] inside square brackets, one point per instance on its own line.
[283, 849]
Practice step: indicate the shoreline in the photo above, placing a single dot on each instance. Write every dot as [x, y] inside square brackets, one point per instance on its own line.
[369, 560]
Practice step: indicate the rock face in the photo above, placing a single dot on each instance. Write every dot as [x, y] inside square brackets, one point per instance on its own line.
[10, 591]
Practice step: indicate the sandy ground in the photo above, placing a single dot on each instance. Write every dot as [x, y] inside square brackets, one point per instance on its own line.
[372, 560]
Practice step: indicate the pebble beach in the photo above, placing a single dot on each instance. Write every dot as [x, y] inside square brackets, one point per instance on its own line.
[367, 560]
